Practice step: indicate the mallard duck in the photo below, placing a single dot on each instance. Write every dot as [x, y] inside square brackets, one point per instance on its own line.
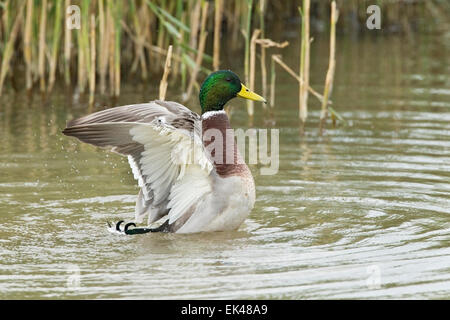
[179, 178]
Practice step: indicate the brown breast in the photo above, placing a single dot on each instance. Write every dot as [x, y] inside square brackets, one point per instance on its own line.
[229, 162]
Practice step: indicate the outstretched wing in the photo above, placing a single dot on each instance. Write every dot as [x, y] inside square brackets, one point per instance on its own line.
[164, 147]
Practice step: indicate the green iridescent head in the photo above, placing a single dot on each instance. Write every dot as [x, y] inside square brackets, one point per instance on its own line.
[220, 87]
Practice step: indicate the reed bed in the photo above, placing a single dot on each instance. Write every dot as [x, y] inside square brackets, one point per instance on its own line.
[40, 40]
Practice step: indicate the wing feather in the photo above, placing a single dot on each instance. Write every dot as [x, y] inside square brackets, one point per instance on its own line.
[165, 151]
[188, 192]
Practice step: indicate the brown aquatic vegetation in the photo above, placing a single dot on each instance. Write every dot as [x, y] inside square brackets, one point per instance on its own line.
[67, 47]
[167, 68]
[133, 35]
[27, 44]
[304, 61]
[331, 66]
[56, 38]
[217, 25]
[42, 45]
[252, 70]
[8, 52]
[278, 60]
[92, 62]
[200, 50]
[246, 34]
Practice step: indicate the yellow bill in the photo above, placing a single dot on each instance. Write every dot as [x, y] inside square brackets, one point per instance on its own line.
[247, 94]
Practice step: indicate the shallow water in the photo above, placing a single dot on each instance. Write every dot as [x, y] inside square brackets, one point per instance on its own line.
[362, 212]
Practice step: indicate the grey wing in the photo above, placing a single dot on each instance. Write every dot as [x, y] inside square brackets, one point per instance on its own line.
[144, 112]
[147, 134]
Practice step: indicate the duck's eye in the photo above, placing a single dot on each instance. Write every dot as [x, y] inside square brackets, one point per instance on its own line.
[228, 79]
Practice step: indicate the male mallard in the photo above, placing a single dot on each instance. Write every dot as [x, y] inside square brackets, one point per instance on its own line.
[168, 154]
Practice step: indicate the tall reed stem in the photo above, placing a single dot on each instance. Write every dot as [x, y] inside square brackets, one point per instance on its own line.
[9, 48]
[262, 9]
[247, 51]
[273, 77]
[195, 18]
[27, 44]
[251, 82]
[304, 63]
[117, 27]
[67, 46]
[217, 27]
[331, 67]
[111, 40]
[167, 68]
[55, 46]
[93, 57]
[200, 50]
[103, 47]
[42, 47]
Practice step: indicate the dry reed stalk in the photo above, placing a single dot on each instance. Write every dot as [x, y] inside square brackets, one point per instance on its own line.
[262, 9]
[152, 48]
[304, 63]
[256, 32]
[67, 46]
[41, 57]
[247, 52]
[235, 22]
[85, 47]
[273, 76]
[163, 52]
[139, 48]
[111, 36]
[203, 31]
[217, 27]
[195, 18]
[27, 44]
[117, 57]
[103, 47]
[277, 59]
[5, 17]
[137, 31]
[331, 67]
[268, 43]
[148, 38]
[200, 50]
[160, 34]
[198, 61]
[81, 65]
[56, 36]
[93, 57]
[142, 14]
[167, 68]
[179, 64]
[81, 69]
[9, 48]
[179, 15]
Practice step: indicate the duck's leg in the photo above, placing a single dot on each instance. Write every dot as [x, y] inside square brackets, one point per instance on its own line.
[162, 228]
